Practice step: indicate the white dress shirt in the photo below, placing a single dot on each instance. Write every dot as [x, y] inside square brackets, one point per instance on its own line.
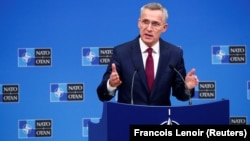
[155, 54]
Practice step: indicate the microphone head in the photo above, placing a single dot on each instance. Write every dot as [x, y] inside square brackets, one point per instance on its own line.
[171, 66]
[136, 69]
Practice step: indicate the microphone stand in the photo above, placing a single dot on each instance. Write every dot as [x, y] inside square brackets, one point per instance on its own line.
[187, 91]
[132, 86]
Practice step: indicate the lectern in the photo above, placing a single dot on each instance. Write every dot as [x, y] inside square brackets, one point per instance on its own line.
[116, 118]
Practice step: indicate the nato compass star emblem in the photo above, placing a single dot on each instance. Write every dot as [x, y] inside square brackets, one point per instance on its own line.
[27, 129]
[169, 121]
[91, 56]
[59, 92]
[220, 54]
[26, 57]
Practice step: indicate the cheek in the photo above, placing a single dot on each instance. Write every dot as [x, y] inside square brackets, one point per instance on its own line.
[141, 28]
[158, 33]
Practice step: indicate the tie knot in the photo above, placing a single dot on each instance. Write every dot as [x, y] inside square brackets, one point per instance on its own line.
[149, 50]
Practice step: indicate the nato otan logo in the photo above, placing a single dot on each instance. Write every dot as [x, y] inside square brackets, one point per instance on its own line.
[206, 90]
[228, 54]
[85, 125]
[238, 120]
[34, 57]
[9, 93]
[64, 92]
[34, 128]
[94, 56]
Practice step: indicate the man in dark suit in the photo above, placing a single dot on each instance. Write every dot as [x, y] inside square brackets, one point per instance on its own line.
[126, 73]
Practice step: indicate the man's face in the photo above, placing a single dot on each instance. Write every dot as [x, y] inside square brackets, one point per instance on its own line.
[151, 25]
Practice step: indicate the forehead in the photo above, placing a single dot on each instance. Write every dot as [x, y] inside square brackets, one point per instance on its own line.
[153, 15]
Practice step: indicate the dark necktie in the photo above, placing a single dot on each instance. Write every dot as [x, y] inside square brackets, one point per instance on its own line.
[150, 69]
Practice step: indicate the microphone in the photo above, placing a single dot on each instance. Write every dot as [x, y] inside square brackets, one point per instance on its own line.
[132, 85]
[188, 91]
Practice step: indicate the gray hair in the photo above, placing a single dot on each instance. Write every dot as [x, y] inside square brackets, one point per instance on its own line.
[156, 6]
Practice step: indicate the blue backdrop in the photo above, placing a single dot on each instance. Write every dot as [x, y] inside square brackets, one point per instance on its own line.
[55, 34]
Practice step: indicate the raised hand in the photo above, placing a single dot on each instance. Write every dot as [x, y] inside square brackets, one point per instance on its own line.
[191, 79]
[114, 79]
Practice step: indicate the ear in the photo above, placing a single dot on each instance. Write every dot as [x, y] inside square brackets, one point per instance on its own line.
[138, 23]
[165, 27]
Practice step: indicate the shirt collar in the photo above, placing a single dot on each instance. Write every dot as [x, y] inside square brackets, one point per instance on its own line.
[144, 47]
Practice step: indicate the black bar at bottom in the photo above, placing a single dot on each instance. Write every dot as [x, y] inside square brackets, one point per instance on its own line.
[201, 132]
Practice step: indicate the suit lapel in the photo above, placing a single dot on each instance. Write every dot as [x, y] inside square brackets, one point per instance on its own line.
[138, 62]
[162, 64]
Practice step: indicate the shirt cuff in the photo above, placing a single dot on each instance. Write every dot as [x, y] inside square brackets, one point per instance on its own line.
[111, 89]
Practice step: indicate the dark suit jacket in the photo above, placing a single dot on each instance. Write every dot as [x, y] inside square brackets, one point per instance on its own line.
[128, 59]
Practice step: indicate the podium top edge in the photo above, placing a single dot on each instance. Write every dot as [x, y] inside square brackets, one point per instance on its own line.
[137, 105]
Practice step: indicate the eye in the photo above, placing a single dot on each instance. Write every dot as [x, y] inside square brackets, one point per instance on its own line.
[145, 22]
[156, 24]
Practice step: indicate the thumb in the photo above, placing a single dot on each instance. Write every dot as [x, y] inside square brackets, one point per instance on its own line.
[113, 67]
[191, 72]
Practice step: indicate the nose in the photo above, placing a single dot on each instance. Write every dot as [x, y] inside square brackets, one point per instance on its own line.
[149, 26]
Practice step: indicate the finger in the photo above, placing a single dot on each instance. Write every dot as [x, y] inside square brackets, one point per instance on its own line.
[191, 72]
[197, 79]
[113, 67]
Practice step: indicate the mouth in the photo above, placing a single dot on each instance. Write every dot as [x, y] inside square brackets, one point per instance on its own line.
[148, 36]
